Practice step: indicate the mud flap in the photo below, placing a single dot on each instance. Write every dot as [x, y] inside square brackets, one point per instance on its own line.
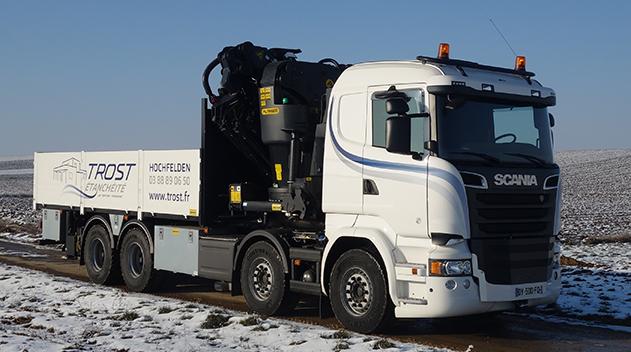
[325, 307]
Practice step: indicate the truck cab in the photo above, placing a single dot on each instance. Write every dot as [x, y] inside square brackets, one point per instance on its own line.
[458, 193]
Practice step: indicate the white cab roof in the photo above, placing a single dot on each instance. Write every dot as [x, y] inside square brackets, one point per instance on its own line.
[379, 73]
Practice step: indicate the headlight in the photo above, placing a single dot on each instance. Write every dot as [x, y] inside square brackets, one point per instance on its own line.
[449, 267]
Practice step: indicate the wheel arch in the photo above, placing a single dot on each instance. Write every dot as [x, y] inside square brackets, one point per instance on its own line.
[270, 236]
[136, 224]
[370, 240]
[93, 221]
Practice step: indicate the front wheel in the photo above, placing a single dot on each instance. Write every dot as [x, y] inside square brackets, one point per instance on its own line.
[358, 292]
[263, 280]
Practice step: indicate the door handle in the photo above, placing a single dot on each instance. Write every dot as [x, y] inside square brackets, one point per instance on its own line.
[370, 187]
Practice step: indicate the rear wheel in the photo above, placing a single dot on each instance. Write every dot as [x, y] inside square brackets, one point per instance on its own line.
[100, 259]
[263, 280]
[358, 292]
[137, 262]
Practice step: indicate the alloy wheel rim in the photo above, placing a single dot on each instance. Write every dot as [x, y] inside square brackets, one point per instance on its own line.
[357, 292]
[262, 279]
[136, 259]
[97, 251]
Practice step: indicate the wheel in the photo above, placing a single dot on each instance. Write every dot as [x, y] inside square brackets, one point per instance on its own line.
[137, 262]
[263, 280]
[358, 292]
[101, 261]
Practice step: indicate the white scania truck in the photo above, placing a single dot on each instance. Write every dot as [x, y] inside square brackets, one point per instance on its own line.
[408, 189]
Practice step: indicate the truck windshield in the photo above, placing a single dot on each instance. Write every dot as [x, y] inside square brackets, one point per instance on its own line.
[494, 132]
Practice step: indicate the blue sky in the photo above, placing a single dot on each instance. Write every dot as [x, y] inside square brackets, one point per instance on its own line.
[126, 74]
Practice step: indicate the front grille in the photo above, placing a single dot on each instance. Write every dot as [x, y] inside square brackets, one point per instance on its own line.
[512, 234]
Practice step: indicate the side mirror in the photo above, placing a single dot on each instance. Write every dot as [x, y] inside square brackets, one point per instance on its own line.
[551, 119]
[431, 146]
[398, 135]
[398, 127]
[397, 106]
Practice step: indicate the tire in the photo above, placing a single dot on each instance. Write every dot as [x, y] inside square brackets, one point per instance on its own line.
[359, 292]
[136, 262]
[263, 280]
[101, 261]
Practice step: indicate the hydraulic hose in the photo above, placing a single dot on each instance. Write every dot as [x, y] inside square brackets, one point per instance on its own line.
[205, 75]
[330, 61]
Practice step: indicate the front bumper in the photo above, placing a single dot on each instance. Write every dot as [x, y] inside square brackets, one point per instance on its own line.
[432, 299]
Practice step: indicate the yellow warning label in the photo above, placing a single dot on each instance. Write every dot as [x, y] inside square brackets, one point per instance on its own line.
[192, 212]
[263, 103]
[279, 172]
[175, 232]
[266, 96]
[276, 207]
[270, 111]
[235, 195]
[265, 90]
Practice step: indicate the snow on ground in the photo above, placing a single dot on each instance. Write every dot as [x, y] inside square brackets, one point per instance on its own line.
[21, 237]
[40, 312]
[596, 293]
[611, 256]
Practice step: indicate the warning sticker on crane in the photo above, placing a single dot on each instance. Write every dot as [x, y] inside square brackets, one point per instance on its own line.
[270, 111]
[266, 93]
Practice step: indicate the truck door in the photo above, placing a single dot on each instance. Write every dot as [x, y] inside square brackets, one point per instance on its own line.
[395, 185]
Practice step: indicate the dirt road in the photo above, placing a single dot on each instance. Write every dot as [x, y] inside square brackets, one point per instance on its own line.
[506, 332]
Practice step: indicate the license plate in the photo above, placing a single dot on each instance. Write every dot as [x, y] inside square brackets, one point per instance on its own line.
[527, 291]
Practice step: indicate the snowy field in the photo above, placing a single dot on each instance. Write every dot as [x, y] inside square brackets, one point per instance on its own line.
[596, 194]
[16, 190]
[40, 312]
[16, 163]
[596, 230]
[16, 198]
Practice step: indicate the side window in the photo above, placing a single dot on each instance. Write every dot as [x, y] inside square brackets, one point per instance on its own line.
[379, 117]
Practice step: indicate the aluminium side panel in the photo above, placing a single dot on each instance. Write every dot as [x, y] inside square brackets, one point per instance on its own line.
[102, 180]
[52, 225]
[157, 182]
[176, 249]
[111, 180]
[57, 177]
[171, 180]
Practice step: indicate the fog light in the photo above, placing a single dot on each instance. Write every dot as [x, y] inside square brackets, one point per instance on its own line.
[466, 283]
[308, 276]
[451, 285]
[556, 261]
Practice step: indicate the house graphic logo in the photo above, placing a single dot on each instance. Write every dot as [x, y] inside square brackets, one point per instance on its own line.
[70, 173]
